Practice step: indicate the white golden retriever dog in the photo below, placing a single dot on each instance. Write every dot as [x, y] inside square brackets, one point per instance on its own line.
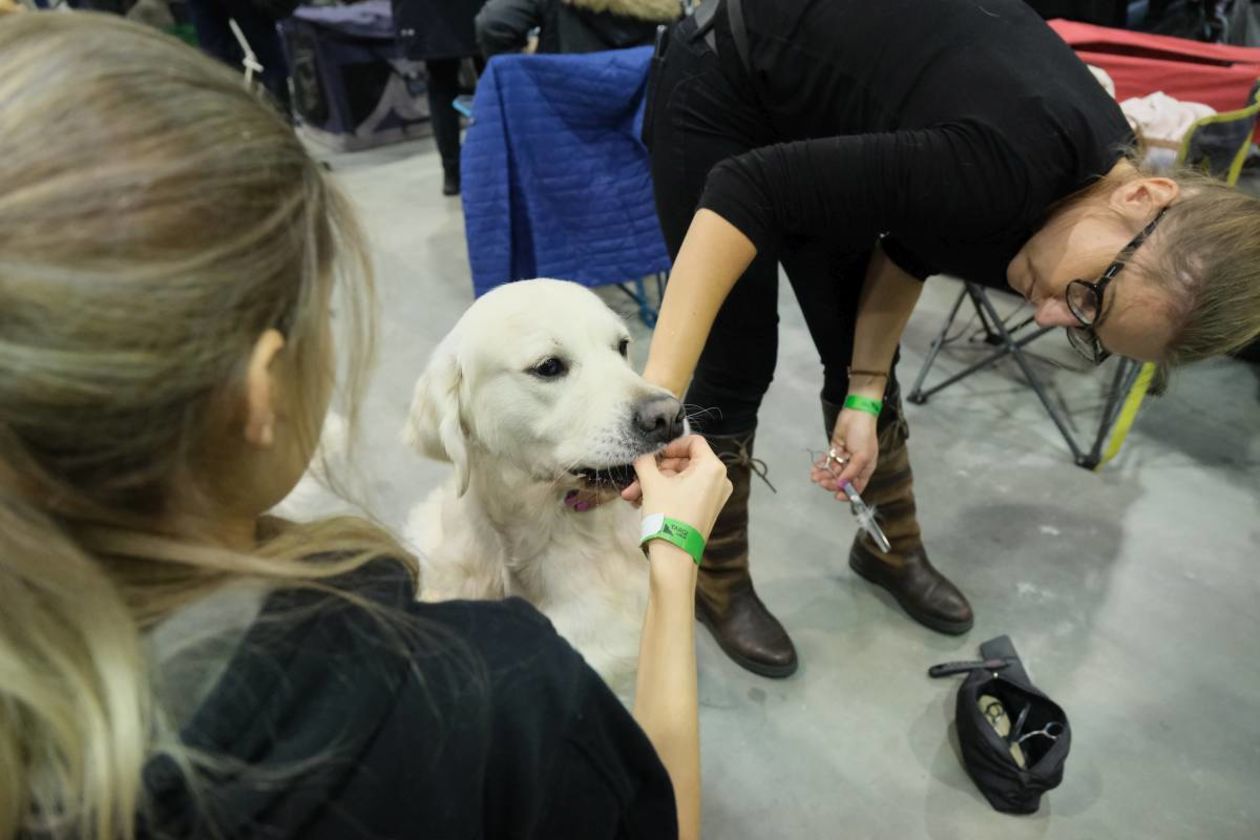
[533, 401]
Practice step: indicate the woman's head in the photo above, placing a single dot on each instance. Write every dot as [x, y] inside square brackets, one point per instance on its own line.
[1189, 292]
[166, 261]
[167, 257]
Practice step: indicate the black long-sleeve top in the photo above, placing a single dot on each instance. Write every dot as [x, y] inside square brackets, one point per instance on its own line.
[448, 721]
[949, 127]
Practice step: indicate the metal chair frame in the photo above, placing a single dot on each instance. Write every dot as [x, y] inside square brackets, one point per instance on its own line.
[1085, 454]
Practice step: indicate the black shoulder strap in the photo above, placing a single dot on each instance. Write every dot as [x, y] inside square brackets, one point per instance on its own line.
[704, 14]
[735, 12]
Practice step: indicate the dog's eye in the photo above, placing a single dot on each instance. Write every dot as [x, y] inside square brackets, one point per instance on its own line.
[551, 368]
[624, 347]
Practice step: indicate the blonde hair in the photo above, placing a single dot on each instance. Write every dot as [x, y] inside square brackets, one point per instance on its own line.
[1208, 258]
[155, 218]
[1205, 254]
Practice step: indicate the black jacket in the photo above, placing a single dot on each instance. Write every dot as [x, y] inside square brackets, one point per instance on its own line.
[572, 26]
[443, 721]
[436, 28]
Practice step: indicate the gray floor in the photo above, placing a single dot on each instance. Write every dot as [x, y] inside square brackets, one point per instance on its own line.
[1131, 593]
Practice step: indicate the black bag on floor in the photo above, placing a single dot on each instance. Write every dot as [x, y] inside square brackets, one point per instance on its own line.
[1014, 739]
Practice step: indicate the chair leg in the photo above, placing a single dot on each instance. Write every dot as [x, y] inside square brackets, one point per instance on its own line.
[1008, 346]
[916, 393]
[992, 331]
[647, 313]
[1135, 389]
[1016, 351]
[1108, 414]
[1125, 377]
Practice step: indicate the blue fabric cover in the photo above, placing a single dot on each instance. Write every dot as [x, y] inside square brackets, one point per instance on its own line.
[556, 181]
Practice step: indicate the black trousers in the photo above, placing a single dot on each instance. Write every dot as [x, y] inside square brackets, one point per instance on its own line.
[695, 119]
[443, 88]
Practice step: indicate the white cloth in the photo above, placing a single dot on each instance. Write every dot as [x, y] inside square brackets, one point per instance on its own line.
[1162, 122]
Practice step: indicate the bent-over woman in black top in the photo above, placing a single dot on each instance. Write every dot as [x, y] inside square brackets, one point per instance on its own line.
[864, 146]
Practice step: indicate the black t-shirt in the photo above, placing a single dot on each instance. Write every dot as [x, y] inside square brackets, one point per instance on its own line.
[950, 126]
[453, 720]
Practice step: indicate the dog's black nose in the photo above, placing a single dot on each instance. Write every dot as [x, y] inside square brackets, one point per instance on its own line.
[659, 419]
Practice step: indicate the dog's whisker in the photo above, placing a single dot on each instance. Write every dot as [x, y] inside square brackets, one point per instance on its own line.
[696, 412]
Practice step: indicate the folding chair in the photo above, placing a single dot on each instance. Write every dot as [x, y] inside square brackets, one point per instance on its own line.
[1217, 144]
[1011, 342]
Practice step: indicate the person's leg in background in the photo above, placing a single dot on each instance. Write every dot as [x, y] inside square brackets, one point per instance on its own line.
[443, 88]
[210, 21]
[694, 122]
[828, 286]
[214, 35]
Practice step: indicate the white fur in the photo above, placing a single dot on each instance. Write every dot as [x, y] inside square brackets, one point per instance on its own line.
[499, 527]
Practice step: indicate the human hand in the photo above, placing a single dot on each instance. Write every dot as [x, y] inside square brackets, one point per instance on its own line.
[685, 481]
[855, 439]
[633, 492]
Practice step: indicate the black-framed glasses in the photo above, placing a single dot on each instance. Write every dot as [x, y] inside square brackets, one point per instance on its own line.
[1085, 299]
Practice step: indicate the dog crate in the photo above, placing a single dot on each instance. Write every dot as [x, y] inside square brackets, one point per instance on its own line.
[352, 87]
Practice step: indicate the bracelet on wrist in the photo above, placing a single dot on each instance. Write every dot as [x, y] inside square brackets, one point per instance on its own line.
[866, 404]
[658, 526]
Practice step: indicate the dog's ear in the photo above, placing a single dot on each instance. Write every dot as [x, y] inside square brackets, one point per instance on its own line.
[435, 425]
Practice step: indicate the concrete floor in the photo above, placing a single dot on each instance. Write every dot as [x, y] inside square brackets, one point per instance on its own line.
[1131, 594]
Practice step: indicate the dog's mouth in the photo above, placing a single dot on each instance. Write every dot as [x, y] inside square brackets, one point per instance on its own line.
[619, 476]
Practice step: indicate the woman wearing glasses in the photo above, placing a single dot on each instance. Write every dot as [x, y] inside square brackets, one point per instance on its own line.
[865, 146]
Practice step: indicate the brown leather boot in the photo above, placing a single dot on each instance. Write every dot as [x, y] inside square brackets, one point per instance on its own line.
[726, 602]
[925, 594]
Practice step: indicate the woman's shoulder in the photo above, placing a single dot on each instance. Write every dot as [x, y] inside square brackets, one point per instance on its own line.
[499, 658]
[443, 710]
[492, 627]
[457, 649]
[511, 629]
[509, 656]
[495, 707]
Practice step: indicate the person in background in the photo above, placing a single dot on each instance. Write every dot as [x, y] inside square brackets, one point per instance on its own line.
[571, 26]
[257, 21]
[177, 663]
[440, 32]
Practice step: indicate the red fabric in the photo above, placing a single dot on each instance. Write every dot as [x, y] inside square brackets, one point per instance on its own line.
[1216, 74]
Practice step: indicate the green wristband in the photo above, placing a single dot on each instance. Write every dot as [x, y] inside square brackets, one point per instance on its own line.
[866, 404]
[658, 526]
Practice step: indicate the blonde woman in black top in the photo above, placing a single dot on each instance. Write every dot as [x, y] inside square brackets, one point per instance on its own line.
[176, 663]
